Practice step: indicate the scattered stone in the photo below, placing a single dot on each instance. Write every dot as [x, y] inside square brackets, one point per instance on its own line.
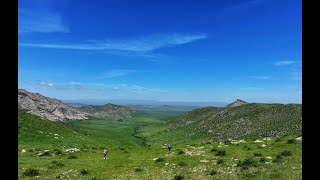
[258, 141]
[263, 145]
[56, 134]
[299, 138]
[267, 138]
[23, 151]
[166, 164]
[268, 157]
[154, 159]
[204, 161]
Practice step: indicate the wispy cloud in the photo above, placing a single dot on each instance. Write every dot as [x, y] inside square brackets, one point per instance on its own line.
[42, 22]
[117, 73]
[283, 63]
[137, 44]
[46, 84]
[261, 77]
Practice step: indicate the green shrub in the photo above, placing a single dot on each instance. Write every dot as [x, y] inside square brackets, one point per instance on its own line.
[263, 160]
[221, 152]
[247, 148]
[138, 169]
[178, 177]
[291, 141]
[213, 172]
[72, 156]
[182, 164]
[159, 160]
[214, 149]
[180, 152]
[57, 151]
[220, 161]
[278, 140]
[60, 164]
[84, 172]
[30, 172]
[277, 159]
[257, 154]
[286, 153]
[247, 163]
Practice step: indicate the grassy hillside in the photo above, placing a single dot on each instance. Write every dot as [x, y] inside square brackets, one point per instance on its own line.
[132, 156]
[222, 123]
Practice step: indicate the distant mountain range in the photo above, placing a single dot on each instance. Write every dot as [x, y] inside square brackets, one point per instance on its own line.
[143, 102]
[108, 111]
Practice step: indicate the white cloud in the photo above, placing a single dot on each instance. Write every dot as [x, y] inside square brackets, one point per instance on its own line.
[117, 73]
[136, 44]
[41, 22]
[46, 84]
[283, 63]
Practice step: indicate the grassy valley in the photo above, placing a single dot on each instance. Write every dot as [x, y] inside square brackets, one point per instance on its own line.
[137, 146]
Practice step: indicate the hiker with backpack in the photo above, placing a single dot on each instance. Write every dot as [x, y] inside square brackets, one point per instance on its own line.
[169, 147]
[105, 152]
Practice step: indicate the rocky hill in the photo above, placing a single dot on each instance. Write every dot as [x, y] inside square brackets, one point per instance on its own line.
[246, 121]
[236, 103]
[108, 111]
[46, 107]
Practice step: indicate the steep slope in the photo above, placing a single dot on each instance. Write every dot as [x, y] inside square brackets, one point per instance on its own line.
[46, 107]
[236, 103]
[221, 123]
[108, 111]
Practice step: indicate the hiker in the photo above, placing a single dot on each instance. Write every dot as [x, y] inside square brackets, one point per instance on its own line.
[169, 147]
[105, 152]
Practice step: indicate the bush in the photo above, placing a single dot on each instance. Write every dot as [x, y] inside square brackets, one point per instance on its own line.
[178, 177]
[181, 163]
[291, 141]
[220, 161]
[286, 153]
[57, 151]
[213, 172]
[257, 154]
[159, 160]
[278, 140]
[72, 156]
[221, 152]
[214, 149]
[277, 159]
[84, 172]
[138, 169]
[227, 142]
[247, 163]
[263, 160]
[180, 152]
[54, 162]
[247, 148]
[60, 164]
[30, 172]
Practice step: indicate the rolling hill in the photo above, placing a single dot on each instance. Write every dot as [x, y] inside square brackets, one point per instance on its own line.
[221, 123]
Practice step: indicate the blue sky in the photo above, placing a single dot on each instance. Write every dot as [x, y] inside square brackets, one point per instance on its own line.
[162, 50]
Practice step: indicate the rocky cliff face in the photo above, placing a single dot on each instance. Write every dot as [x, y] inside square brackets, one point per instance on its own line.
[49, 108]
[108, 111]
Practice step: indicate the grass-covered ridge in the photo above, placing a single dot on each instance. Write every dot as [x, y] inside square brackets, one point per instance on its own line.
[222, 123]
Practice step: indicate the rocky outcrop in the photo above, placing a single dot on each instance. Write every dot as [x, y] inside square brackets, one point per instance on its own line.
[238, 102]
[49, 108]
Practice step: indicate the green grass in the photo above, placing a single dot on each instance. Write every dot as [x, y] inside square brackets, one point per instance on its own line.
[131, 152]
